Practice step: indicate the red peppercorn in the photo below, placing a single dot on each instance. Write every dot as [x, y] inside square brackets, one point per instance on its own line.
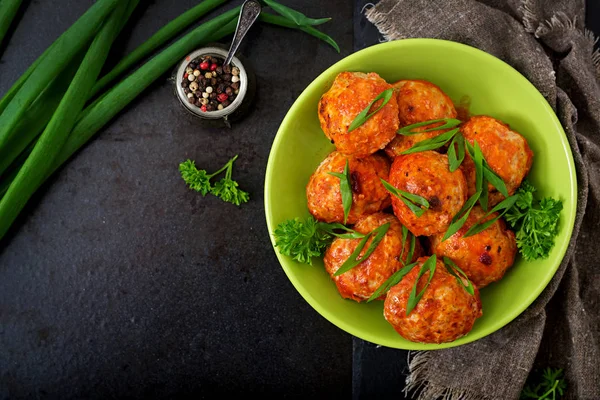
[203, 108]
[204, 65]
[185, 75]
[222, 97]
[213, 67]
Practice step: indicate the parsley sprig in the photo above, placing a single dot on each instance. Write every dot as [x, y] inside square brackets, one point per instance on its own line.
[534, 221]
[303, 240]
[226, 189]
[547, 385]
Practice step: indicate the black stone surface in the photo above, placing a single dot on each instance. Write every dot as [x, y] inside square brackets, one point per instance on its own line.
[118, 282]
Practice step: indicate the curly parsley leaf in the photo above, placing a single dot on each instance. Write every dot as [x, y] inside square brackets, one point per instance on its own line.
[301, 240]
[547, 385]
[196, 179]
[535, 222]
[226, 189]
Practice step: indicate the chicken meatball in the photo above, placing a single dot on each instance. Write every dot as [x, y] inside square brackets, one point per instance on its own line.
[360, 282]
[323, 193]
[484, 257]
[350, 93]
[445, 312]
[427, 174]
[506, 152]
[419, 101]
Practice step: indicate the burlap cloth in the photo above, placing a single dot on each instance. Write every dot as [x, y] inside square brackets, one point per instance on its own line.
[547, 42]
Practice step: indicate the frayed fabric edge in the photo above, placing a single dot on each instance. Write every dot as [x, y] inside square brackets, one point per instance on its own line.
[418, 386]
[560, 20]
[530, 20]
[383, 25]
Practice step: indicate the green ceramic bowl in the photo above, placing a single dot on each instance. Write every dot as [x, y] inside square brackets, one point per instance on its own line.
[494, 88]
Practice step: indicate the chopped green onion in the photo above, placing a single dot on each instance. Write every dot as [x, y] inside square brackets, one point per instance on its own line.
[483, 199]
[456, 155]
[490, 175]
[404, 237]
[494, 179]
[455, 271]
[414, 298]
[345, 189]
[162, 36]
[40, 161]
[297, 17]
[8, 9]
[354, 259]
[478, 160]
[411, 250]
[504, 205]
[432, 143]
[409, 199]
[331, 229]
[448, 123]
[391, 281]
[461, 216]
[364, 115]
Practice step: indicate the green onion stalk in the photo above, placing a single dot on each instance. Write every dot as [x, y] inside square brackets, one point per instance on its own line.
[40, 161]
[60, 55]
[8, 10]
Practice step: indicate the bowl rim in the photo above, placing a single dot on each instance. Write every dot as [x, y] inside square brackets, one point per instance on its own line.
[567, 222]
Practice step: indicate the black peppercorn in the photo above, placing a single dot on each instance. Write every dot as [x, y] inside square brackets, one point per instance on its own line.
[213, 87]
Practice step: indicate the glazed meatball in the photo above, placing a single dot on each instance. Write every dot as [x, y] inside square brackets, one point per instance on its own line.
[350, 93]
[506, 152]
[485, 256]
[427, 174]
[419, 101]
[323, 193]
[445, 312]
[360, 282]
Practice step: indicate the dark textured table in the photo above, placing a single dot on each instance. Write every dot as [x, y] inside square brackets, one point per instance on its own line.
[118, 282]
